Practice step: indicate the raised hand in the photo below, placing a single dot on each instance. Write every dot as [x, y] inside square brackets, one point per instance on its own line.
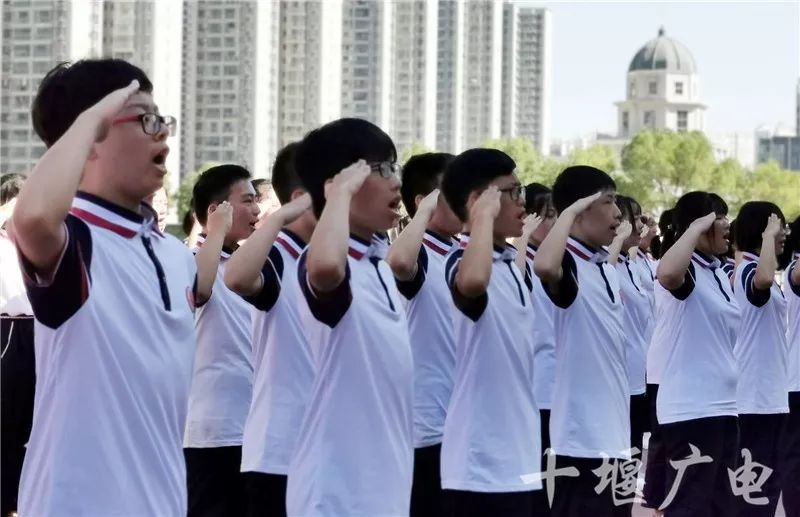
[582, 204]
[293, 209]
[487, 204]
[349, 180]
[220, 219]
[624, 230]
[428, 203]
[109, 107]
[703, 224]
[774, 226]
[531, 222]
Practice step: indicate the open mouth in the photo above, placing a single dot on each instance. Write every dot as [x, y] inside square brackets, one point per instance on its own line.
[161, 159]
[395, 205]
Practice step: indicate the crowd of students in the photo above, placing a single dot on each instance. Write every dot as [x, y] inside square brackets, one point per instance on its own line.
[299, 363]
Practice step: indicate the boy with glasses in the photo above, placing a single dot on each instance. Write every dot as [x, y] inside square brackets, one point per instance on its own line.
[113, 299]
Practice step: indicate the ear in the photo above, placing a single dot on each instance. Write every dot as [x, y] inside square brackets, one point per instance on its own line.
[296, 193]
[418, 199]
[212, 208]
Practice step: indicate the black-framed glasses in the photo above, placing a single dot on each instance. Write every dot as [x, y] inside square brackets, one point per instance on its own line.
[516, 192]
[385, 169]
[152, 122]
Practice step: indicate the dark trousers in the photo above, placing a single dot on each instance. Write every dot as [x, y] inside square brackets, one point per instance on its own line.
[761, 435]
[541, 504]
[214, 481]
[577, 497]
[640, 420]
[790, 458]
[17, 384]
[426, 490]
[656, 469]
[265, 494]
[461, 503]
[704, 490]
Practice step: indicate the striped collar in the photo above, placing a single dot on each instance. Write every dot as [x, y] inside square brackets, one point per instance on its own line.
[586, 252]
[291, 242]
[360, 248]
[107, 215]
[642, 254]
[226, 252]
[438, 243]
[705, 261]
[505, 253]
[530, 251]
[750, 257]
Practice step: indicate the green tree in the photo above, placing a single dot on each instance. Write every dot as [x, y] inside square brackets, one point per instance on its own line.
[184, 197]
[600, 156]
[769, 182]
[531, 165]
[412, 150]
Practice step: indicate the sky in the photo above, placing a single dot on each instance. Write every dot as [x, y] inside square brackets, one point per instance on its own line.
[746, 53]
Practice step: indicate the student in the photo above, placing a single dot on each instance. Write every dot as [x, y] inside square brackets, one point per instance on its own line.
[159, 200]
[589, 416]
[113, 299]
[760, 350]
[696, 319]
[638, 314]
[264, 271]
[222, 383]
[491, 448]
[354, 453]
[654, 490]
[539, 205]
[417, 258]
[18, 360]
[790, 462]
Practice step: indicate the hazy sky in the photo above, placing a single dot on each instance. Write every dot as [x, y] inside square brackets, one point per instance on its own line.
[746, 53]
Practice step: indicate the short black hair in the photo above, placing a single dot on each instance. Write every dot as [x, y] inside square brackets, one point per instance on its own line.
[473, 170]
[661, 244]
[188, 222]
[261, 185]
[751, 223]
[284, 176]
[577, 182]
[422, 174]
[10, 185]
[629, 208]
[690, 207]
[325, 151]
[214, 186]
[69, 89]
[537, 199]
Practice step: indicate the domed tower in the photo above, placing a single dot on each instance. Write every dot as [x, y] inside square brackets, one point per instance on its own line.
[663, 90]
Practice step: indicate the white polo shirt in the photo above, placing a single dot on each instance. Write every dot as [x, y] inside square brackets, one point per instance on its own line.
[492, 432]
[760, 350]
[636, 323]
[114, 337]
[222, 383]
[544, 339]
[590, 414]
[13, 298]
[697, 326]
[792, 293]
[427, 302]
[355, 452]
[284, 366]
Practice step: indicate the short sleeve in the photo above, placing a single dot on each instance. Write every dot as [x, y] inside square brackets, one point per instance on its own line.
[272, 276]
[410, 288]
[58, 296]
[757, 297]
[567, 287]
[330, 307]
[473, 308]
[683, 292]
[789, 271]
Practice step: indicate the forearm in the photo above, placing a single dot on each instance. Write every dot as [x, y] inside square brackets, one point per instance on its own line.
[547, 265]
[521, 244]
[673, 265]
[207, 260]
[243, 269]
[327, 249]
[767, 264]
[614, 250]
[402, 256]
[475, 269]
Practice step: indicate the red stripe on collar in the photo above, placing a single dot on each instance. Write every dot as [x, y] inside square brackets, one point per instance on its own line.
[438, 249]
[293, 252]
[102, 223]
[578, 252]
[749, 257]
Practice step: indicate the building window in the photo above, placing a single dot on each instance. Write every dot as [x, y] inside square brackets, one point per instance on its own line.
[633, 89]
[653, 87]
[625, 122]
[683, 120]
[649, 119]
[678, 88]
